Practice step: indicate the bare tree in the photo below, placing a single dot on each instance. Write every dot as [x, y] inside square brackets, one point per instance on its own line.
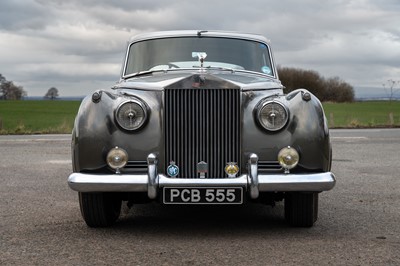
[337, 90]
[390, 89]
[331, 89]
[51, 94]
[10, 91]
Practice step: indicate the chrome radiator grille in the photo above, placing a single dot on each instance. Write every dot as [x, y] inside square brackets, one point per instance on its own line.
[202, 125]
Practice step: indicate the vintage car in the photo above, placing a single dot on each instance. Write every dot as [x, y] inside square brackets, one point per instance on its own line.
[200, 117]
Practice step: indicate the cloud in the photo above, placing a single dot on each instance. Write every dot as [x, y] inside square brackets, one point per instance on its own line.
[80, 43]
[20, 14]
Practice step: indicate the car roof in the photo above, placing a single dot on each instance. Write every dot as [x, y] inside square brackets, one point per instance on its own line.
[199, 33]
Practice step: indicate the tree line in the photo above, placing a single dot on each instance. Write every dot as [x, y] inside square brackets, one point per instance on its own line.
[325, 89]
[10, 91]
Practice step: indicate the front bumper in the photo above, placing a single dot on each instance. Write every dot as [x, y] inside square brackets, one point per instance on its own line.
[152, 181]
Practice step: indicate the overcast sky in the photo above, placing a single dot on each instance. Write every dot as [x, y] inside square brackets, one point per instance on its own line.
[77, 46]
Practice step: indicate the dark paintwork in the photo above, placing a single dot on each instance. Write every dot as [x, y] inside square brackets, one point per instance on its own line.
[96, 132]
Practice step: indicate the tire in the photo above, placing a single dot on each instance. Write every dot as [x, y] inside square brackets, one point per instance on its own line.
[301, 209]
[99, 209]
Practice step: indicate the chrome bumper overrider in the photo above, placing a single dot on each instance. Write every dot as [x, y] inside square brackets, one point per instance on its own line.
[152, 181]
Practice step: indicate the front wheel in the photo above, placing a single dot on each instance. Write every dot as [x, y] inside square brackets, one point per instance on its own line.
[99, 209]
[301, 209]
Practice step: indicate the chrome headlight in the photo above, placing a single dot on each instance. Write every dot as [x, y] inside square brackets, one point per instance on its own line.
[131, 115]
[272, 115]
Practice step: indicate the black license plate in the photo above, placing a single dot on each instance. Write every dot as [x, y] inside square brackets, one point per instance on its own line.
[203, 195]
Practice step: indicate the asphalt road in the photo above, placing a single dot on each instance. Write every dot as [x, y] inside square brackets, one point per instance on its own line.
[359, 220]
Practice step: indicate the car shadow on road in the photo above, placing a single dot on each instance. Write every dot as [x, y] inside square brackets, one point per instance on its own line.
[198, 220]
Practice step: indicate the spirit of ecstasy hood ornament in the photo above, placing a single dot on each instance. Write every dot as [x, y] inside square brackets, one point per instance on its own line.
[200, 56]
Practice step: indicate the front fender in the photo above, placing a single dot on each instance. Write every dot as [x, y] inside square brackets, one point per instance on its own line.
[310, 130]
[306, 130]
[92, 133]
[96, 132]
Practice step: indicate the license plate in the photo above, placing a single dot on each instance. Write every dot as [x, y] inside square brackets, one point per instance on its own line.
[203, 195]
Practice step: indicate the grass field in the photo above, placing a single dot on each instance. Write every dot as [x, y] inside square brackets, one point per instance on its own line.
[363, 114]
[45, 117]
[37, 117]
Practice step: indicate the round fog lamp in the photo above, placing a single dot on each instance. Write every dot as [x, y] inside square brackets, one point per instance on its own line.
[288, 157]
[117, 158]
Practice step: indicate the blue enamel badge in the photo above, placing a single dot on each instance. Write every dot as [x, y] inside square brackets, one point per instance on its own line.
[172, 169]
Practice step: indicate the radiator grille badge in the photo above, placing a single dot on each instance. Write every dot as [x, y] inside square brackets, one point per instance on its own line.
[202, 169]
[172, 169]
[231, 169]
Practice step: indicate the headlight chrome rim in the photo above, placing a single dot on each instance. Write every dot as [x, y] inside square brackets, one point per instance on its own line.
[125, 118]
[272, 115]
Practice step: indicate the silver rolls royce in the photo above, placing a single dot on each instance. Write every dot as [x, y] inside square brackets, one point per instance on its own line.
[200, 117]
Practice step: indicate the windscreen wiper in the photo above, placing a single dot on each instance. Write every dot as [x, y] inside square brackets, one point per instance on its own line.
[142, 73]
[218, 68]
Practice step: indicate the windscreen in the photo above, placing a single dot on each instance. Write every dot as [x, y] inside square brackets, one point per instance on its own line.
[196, 52]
